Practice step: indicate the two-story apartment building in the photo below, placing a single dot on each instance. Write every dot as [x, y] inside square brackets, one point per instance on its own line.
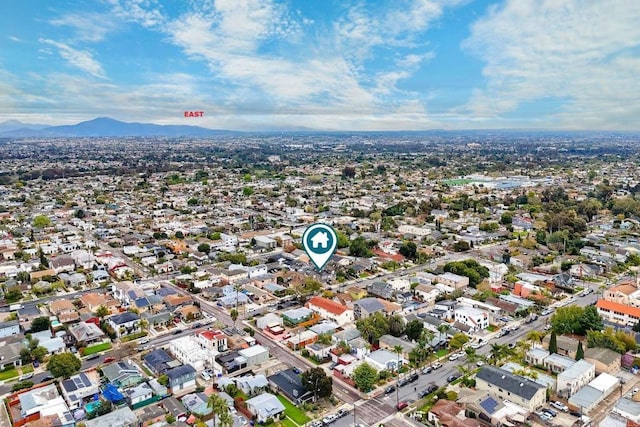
[212, 341]
[508, 386]
[618, 313]
[475, 318]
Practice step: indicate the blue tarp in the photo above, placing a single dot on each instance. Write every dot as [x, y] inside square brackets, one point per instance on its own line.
[112, 394]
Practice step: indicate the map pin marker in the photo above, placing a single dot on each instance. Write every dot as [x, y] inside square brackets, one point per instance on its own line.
[320, 242]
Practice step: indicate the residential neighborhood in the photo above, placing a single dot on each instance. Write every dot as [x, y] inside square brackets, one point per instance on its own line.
[170, 285]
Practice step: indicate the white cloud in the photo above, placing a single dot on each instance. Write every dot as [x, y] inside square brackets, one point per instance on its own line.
[90, 27]
[81, 59]
[583, 55]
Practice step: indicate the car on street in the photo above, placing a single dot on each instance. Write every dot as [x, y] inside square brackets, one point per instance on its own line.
[413, 377]
[389, 389]
[479, 363]
[329, 419]
[25, 376]
[452, 378]
[436, 365]
[401, 405]
[342, 413]
[46, 378]
[432, 388]
[454, 356]
[403, 382]
[93, 356]
[427, 369]
[109, 359]
[317, 423]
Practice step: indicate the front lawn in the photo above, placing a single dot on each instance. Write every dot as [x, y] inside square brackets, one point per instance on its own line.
[288, 423]
[132, 337]
[9, 373]
[293, 412]
[97, 348]
[442, 352]
[27, 369]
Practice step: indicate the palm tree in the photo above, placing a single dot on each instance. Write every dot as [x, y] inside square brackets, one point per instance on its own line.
[442, 328]
[102, 312]
[398, 349]
[226, 419]
[219, 407]
[367, 330]
[497, 352]
[472, 356]
[234, 316]
[535, 335]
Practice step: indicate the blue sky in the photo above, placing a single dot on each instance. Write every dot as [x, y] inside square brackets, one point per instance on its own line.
[324, 64]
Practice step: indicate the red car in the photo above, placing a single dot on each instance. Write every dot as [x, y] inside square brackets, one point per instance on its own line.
[401, 405]
[109, 359]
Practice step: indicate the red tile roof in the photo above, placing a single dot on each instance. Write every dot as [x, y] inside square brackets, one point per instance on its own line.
[618, 308]
[327, 304]
[211, 335]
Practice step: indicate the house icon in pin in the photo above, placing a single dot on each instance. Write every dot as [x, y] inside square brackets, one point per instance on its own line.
[320, 240]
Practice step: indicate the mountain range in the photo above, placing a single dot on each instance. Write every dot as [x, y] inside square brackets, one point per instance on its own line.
[103, 126]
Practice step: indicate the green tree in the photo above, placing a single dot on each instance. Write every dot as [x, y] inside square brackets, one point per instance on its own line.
[247, 191]
[414, 329]
[396, 325]
[163, 379]
[343, 240]
[316, 381]
[553, 342]
[458, 340]
[373, 327]
[41, 323]
[234, 316]
[204, 247]
[63, 365]
[41, 221]
[102, 312]
[574, 319]
[13, 295]
[39, 353]
[408, 250]
[365, 376]
[219, 407]
[579, 351]
[360, 248]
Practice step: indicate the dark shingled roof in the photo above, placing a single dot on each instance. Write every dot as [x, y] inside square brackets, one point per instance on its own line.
[516, 384]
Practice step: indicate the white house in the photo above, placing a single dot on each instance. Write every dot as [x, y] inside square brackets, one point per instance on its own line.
[476, 319]
[330, 310]
[575, 377]
[384, 360]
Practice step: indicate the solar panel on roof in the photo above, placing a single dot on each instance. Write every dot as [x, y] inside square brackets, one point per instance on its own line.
[70, 385]
[489, 405]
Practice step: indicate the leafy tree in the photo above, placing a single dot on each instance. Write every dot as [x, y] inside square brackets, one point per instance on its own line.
[13, 295]
[204, 247]
[41, 323]
[365, 376]
[247, 191]
[373, 327]
[41, 221]
[408, 250]
[579, 351]
[102, 312]
[574, 319]
[396, 325]
[359, 248]
[170, 419]
[414, 329]
[79, 213]
[506, 218]
[39, 353]
[348, 172]
[343, 240]
[458, 340]
[461, 246]
[636, 327]
[316, 381]
[25, 356]
[163, 379]
[553, 342]
[63, 365]
[469, 268]
[489, 227]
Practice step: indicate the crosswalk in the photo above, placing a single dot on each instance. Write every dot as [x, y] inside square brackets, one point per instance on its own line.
[373, 411]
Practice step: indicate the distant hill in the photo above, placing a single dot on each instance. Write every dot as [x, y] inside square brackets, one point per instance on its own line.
[13, 125]
[104, 126]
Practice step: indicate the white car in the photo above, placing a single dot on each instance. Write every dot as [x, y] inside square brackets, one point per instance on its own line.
[454, 356]
[561, 406]
[205, 376]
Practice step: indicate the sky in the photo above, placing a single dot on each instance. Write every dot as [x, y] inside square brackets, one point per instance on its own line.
[324, 64]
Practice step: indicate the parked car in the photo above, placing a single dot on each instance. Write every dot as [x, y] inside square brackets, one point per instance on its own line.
[423, 393]
[317, 423]
[432, 388]
[550, 411]
[390, 389]
[413, 377]
[205, 376]
[93, 356]
[454, 356]
[561, 406]
[25, 376]
[342, 413]
[436, 365]
[329, 419]
[401, 405]
[403, 382]
[46, 378]
[109, 359]
[452, 378]
[427, 369]
[575, 413]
